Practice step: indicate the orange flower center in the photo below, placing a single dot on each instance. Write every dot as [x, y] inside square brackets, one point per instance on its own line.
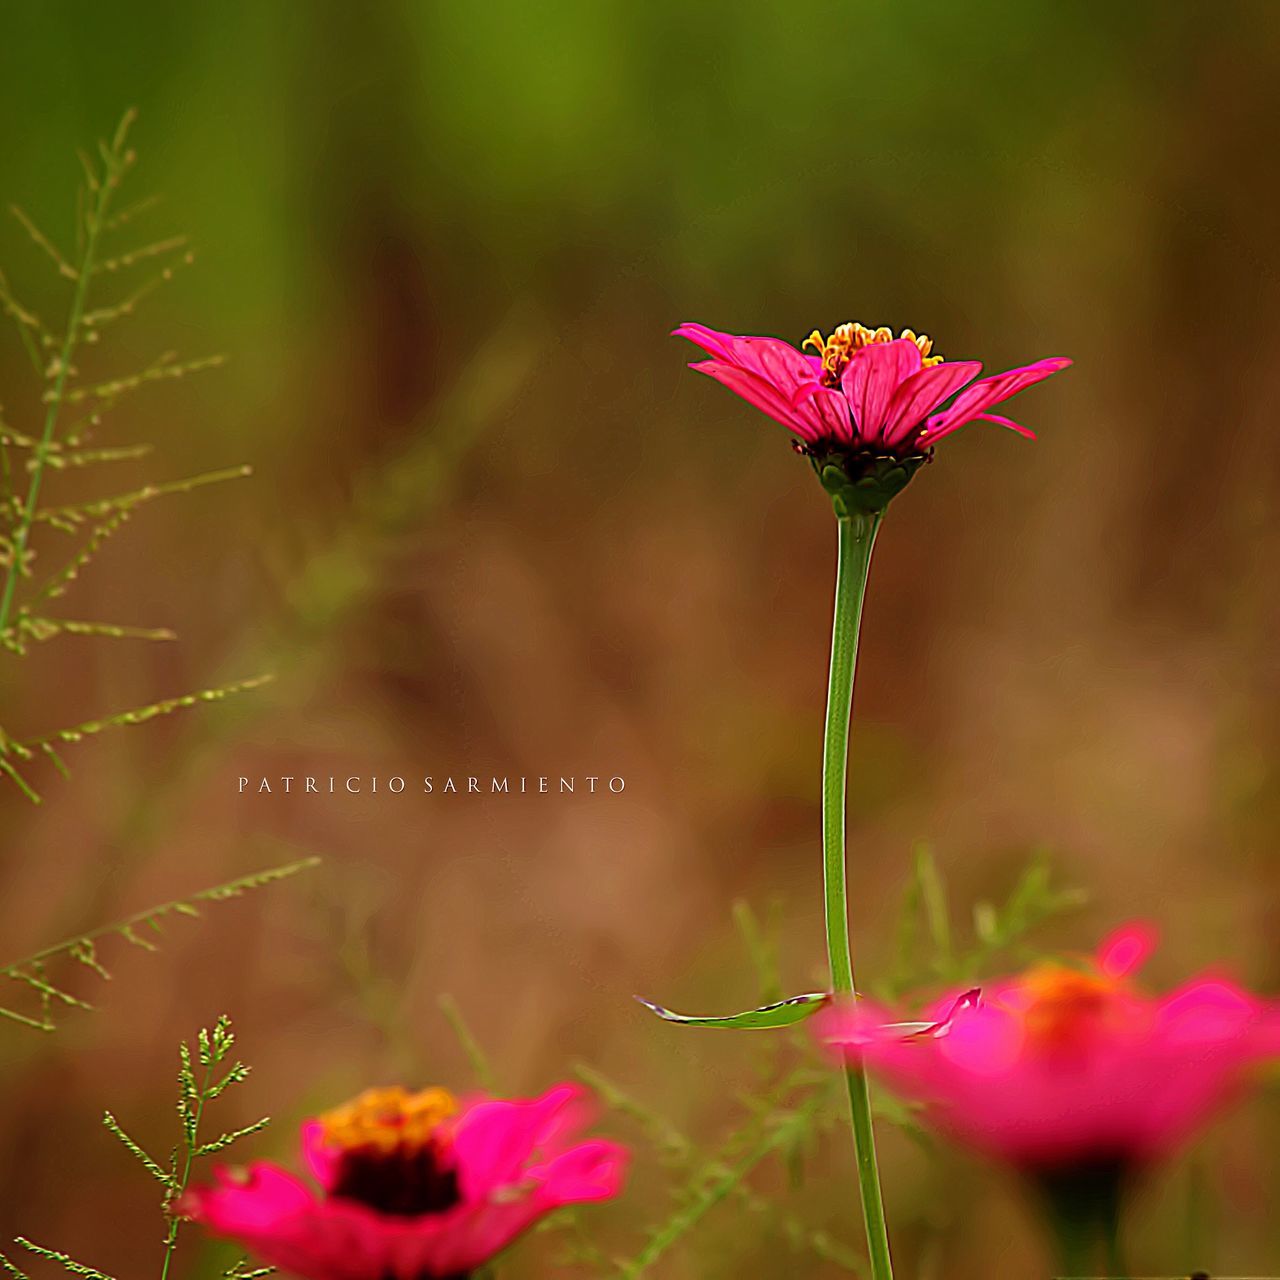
[389, 1120]
[394, 1153]
[1064, 1004]
[837, 350]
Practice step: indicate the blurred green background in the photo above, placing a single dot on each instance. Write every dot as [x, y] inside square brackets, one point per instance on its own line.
[495, 526]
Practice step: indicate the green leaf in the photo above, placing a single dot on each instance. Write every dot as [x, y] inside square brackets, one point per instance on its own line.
[783, 1013]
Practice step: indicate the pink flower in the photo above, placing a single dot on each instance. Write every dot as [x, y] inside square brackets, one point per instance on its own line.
[1065, 1068]
[411, 1186]
[867, 404]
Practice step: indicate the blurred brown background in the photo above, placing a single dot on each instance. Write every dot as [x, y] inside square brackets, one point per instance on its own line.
[495, 526]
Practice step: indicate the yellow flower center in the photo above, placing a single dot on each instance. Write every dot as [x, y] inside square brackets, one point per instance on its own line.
[1064, 1004]
[389, 1120]
[837, 350]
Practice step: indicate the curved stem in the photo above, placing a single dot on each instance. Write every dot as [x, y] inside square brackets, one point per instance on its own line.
[857, 535]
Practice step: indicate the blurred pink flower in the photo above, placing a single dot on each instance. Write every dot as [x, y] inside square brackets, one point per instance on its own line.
[864, 388]
[412, 1186]
[1061, 1067]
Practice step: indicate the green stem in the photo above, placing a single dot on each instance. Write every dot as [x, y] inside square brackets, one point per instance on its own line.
[175, 1222]
[857, 537]
[1073, 1257]
[61, 371]
[1083, 1205]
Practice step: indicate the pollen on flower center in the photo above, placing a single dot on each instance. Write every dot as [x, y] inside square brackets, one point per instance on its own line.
[386, 1119]
[394, 1151]
[1063, 1004]
[837, 350]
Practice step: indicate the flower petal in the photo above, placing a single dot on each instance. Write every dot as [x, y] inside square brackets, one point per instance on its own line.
[468, 1235]
[768, 399]
[590, 1171]
[777, 362]
[1126, 950]
[1207, 1011]
[871, 377]
[712, 341]
[920, 394]
[496, 1139]
[1025, 432]
[275, 1215]
[780, 381]
[974, 401]
[321, 1158]
[515, 1164]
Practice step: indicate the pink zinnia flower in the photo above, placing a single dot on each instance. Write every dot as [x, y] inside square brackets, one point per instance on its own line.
[1064, 1068]
[413, 1186]
[867, 407]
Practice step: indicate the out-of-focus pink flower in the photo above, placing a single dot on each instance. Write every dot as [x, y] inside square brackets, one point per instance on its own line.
[865, 400]
[412, 1186]
[1072, 1067]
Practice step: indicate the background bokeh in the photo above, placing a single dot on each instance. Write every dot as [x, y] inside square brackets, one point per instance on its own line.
[495, 526]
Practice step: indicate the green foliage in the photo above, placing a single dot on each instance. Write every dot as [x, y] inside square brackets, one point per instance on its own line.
[769, 1017]
[799, 1098]
[783, 1120]
[143, 929]
[61, 442]
[481, 1067]
[779, 1123]
[205, 1073]
[241, 1270]
[785, 1110]
[52, 1255]
[928, 954]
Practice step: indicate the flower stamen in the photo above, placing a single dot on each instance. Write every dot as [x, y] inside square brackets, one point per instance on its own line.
[394, 1151]
[1064, 1003]
[837, 350]
[387, 1120]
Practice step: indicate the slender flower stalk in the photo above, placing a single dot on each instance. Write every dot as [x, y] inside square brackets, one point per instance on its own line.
[866, 409]
[857, 535]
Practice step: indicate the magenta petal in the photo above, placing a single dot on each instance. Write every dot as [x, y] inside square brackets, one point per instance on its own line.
[516, 1163]
[832, 410]
[778, 362]
[275, 1215]
[870, 379]
[468, 1236]
[1000, 421]
[768, 399]
[711, 341]
[974, 401]
[474, 1231]
[590, 1171]
[321, 1160]
[1207, 1011]
[708, 339]
[773, 376]
[496, 1139]
[920, 394]
[1126, 950]
[248, 1199]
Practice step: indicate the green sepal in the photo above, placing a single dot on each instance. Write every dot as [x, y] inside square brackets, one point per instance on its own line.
[782, 1013]
[862, 481]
